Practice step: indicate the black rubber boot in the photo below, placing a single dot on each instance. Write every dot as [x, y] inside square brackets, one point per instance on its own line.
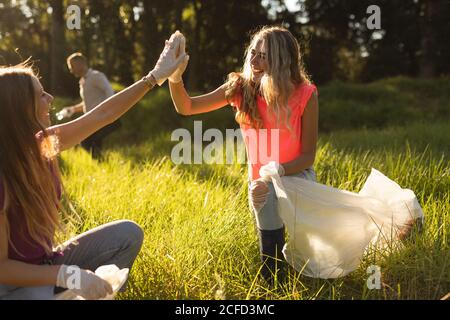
[271, 243]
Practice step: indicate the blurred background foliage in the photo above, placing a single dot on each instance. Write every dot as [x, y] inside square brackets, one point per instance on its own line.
[124, 38]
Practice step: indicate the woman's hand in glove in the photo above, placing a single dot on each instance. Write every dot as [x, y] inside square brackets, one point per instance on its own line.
[270, 169]
[176, 77]
[83, 282]
[168, 60]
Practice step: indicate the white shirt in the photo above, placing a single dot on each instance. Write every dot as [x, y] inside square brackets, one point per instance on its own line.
[94, 89]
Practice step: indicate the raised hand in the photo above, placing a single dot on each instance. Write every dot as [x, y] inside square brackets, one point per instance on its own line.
[176, 77]
[168, 60]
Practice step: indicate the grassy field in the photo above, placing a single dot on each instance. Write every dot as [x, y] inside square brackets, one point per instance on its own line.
[200, 238]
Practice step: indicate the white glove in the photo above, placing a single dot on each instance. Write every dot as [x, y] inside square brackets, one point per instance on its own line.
[83, 282]
[271, 169]
[168, 61]
[258, 194]
[176, 77]
[65, 113]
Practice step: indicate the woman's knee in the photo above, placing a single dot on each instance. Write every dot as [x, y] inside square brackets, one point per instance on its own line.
[131, 232]
[268, 218]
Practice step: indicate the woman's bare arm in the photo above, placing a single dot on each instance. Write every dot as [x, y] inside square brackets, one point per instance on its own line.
[19, 274]
[73, 132]
[310, 128]
[186, 105]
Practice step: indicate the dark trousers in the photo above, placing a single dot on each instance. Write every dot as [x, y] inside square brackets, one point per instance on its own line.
[93, 143]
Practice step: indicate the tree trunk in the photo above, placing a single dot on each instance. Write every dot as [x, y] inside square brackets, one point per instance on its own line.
[429, 12]
[195, 48]
[151, 41]
[57, 47]
[179, 6]
[124, 52]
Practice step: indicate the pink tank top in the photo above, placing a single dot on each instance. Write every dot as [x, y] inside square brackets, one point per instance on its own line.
[275, 142]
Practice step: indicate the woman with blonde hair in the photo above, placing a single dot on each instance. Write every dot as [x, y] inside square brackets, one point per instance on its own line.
[272, 94]
[30, 189]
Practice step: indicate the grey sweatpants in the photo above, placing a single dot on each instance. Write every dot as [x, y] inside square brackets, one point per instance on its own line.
[116, 243]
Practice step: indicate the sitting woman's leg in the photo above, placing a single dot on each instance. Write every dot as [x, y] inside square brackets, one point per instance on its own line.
[118, 243]
[26, 293]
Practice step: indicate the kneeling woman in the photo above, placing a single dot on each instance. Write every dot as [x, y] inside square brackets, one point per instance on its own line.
[30, 189]
[272, 93]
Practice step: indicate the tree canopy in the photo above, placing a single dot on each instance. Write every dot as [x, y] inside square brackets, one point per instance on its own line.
[124, 38]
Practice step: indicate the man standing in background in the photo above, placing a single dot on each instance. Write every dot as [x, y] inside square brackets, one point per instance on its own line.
[94, 89]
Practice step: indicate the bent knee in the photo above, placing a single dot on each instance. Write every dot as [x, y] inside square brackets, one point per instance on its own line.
[131, 231]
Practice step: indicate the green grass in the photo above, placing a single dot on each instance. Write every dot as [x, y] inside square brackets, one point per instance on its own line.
[394, 101]
[200, 237]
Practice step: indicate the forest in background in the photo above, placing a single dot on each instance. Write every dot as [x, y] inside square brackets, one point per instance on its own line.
[124, 38]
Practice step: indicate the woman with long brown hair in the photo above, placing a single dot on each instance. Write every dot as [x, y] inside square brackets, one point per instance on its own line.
[30, 188]
[272, 93]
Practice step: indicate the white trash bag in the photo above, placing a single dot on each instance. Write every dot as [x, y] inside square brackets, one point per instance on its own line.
[116, 278]
[330, 229]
